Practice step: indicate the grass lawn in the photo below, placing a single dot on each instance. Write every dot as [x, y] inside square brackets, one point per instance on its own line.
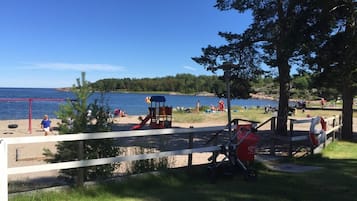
[336, 181]
[254, 114]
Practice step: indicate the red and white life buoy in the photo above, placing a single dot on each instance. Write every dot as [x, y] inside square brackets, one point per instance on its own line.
[316, 134]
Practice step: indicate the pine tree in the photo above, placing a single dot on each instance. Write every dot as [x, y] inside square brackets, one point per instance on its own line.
[76, 118]
[336, 56]
[278, 35]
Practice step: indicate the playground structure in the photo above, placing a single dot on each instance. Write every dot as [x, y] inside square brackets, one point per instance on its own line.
[160, 116]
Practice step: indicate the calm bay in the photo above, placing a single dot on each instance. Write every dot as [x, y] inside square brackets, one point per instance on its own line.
[14, 102]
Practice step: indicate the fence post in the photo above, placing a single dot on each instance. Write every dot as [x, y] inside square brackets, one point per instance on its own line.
[3, 171]
[190, 146]
[333, 126]
[80, 171]
[291, 138]
[340, 123]
[272, 128]
[272, 124]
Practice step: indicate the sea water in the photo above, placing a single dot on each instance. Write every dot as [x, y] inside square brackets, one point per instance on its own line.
[15, 104]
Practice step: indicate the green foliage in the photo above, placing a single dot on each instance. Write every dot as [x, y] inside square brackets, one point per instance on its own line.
[286, 34]
[181, 83]
[148, 165]
[99, 119]
[301, 82]
[276, 37]
[266, 86]
[303, 86]
[76, 119]
[333, 58]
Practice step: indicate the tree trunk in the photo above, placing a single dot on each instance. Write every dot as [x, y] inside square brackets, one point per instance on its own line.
[349, 66]
[282, 57]
[347, 110]
[284, 81]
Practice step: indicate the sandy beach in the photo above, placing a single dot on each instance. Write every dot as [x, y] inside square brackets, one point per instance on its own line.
[32, 154]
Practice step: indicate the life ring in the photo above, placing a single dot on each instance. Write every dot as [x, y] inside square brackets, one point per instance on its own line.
[314, 134]
[12, 126]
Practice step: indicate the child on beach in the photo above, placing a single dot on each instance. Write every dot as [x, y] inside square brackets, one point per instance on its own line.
[46, 124]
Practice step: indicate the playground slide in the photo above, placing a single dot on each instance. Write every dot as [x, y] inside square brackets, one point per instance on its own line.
[143, 122]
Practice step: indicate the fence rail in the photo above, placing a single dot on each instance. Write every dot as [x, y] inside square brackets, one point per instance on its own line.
[334, 125]
[4, 142]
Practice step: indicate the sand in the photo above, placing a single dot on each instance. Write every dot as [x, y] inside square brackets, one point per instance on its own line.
[32, 154]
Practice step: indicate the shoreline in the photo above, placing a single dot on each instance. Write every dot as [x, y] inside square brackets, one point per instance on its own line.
[200, 93]
[263, 97]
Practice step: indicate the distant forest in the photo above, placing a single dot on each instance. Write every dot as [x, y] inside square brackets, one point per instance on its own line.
[181, 83]
[302, 86]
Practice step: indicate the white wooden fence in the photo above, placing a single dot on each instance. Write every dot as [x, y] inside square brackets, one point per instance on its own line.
[4, 142]
[333, 126]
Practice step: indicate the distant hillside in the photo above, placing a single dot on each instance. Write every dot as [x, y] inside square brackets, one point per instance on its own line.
[302, 86]
[181, 83]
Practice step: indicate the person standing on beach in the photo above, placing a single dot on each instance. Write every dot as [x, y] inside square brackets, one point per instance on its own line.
[46, 124]
[198, 105]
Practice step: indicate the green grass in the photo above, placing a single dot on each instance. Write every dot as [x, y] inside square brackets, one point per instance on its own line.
[341, 150]
[254, 114]
[336, 181]
[194, 117]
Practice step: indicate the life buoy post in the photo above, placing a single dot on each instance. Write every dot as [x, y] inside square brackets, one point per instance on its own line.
[317, 136]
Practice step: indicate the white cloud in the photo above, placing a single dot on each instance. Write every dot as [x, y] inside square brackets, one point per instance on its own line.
[76, 67]
[190, 68]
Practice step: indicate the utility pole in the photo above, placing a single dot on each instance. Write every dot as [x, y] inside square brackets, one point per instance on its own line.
[227, 68]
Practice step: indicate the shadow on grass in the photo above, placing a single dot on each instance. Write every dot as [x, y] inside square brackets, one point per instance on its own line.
[335, 181]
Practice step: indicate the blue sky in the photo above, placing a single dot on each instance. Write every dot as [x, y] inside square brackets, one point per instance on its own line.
[48, 43]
